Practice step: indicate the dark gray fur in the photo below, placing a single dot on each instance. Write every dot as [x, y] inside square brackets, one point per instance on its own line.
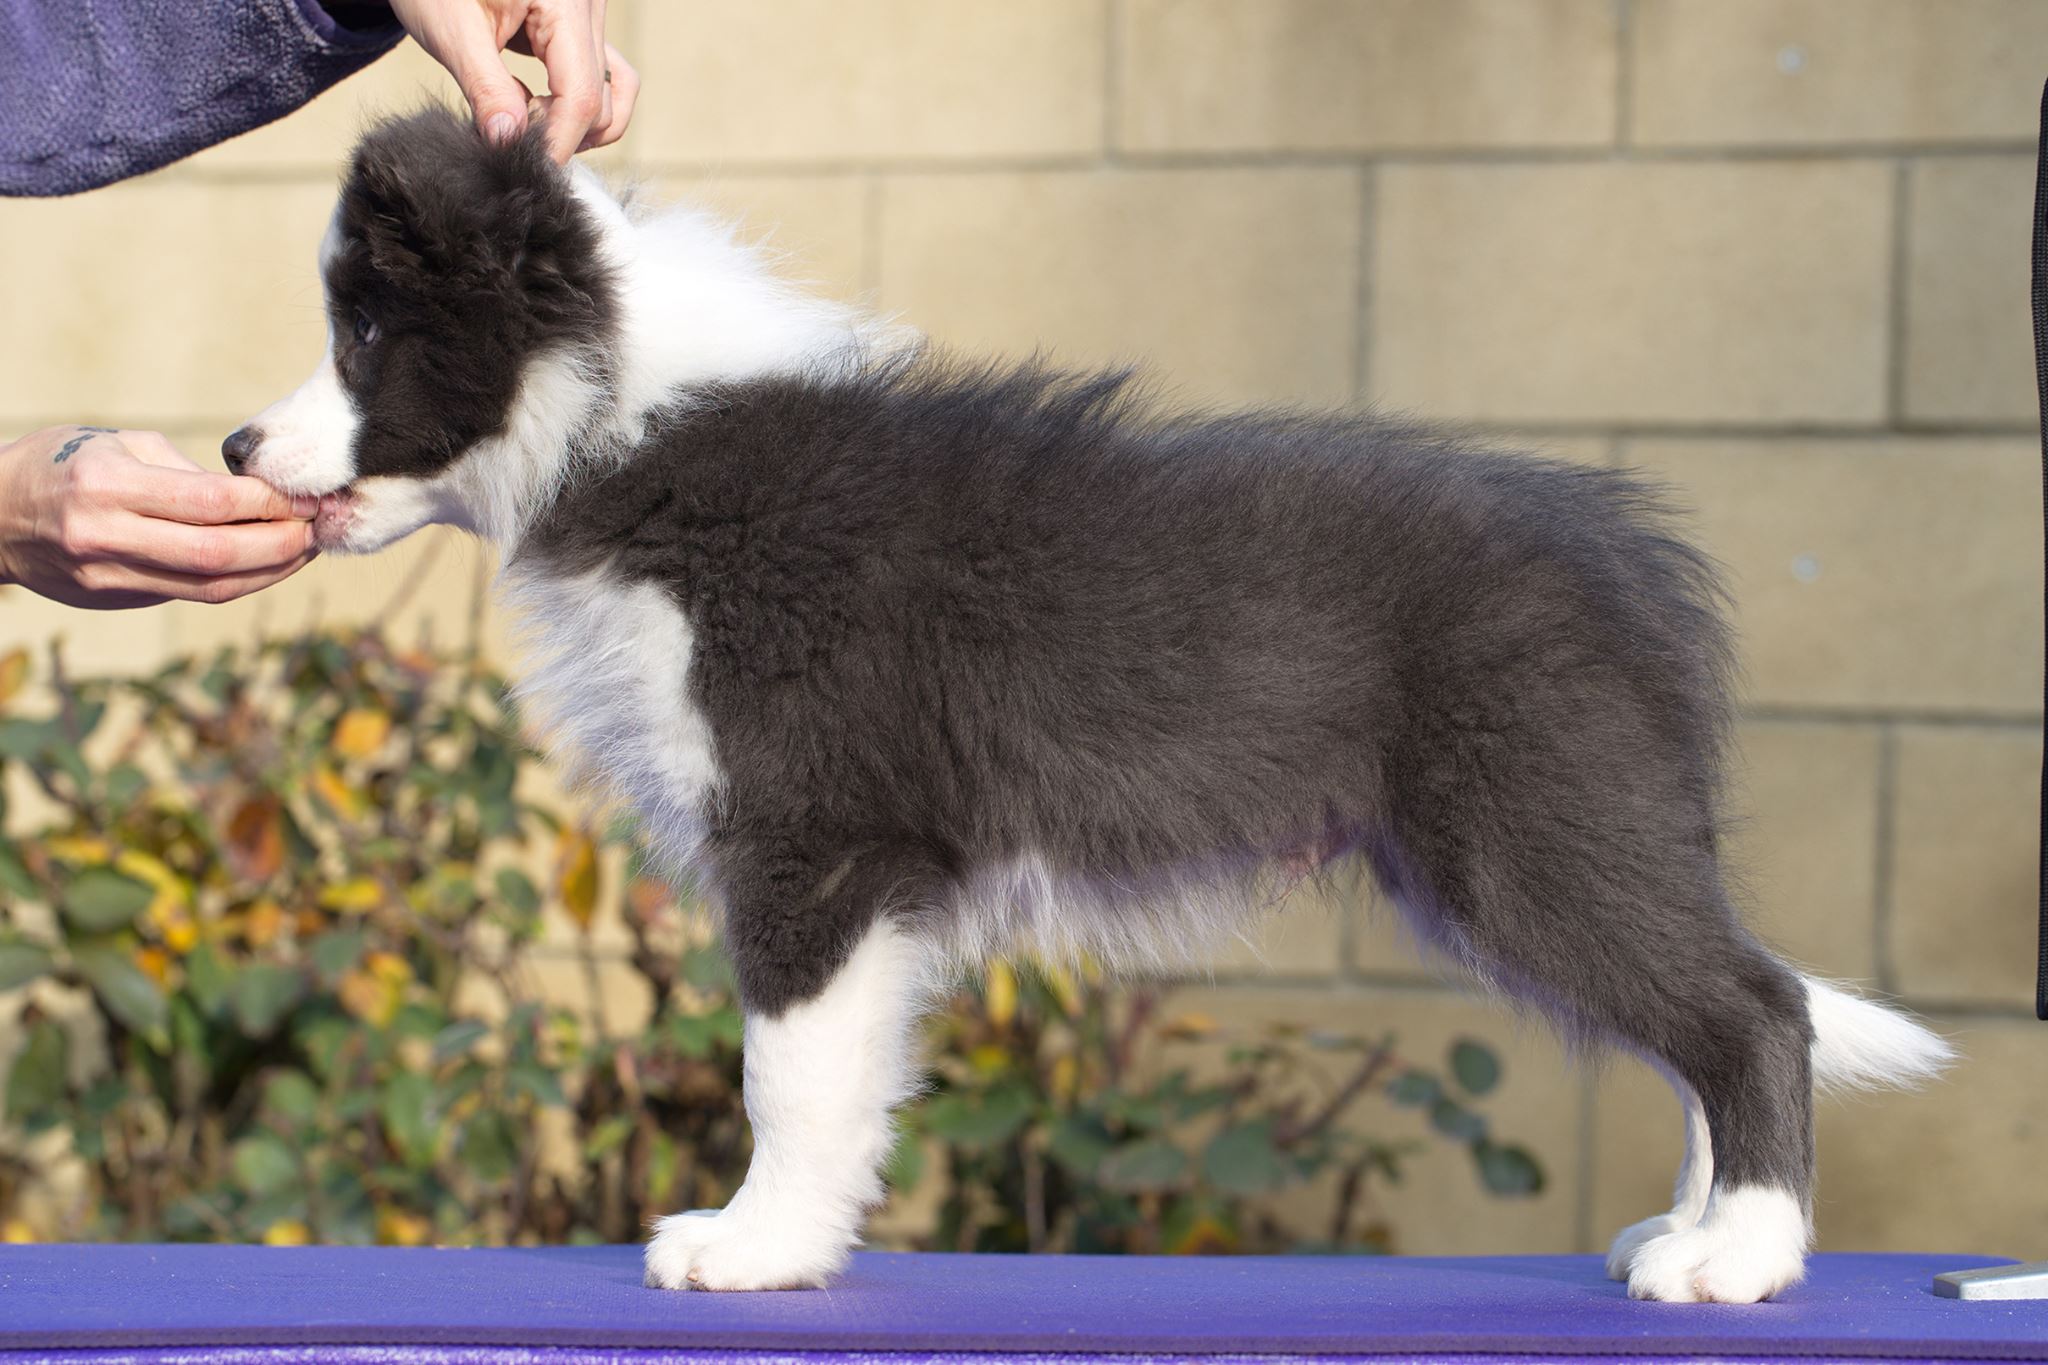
[945, 617]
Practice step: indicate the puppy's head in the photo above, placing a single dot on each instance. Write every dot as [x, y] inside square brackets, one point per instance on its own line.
[468, 303]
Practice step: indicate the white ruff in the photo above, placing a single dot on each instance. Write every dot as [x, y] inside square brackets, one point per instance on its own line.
[702, 307]
[608, 672]
[605, 674]
[821, 1080]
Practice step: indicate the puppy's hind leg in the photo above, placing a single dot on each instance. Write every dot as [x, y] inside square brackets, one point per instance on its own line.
[1737, 1031]
[1617, 925]
[830, 1050]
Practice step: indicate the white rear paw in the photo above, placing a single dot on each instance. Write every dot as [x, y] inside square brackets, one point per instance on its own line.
[1750, 1245]
[1621, 1256]
[737, 1248]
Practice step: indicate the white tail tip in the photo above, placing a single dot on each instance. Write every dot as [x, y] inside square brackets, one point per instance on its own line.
[1859, 1044]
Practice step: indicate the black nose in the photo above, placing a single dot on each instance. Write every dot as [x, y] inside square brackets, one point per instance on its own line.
[240, 447]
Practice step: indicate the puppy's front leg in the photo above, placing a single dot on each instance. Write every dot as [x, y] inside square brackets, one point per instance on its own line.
[822, 1074]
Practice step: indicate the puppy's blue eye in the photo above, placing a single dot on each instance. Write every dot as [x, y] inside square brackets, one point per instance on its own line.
[366, 330]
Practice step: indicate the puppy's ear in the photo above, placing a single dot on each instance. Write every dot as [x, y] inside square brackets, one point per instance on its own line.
[425, 193]
[442, 203]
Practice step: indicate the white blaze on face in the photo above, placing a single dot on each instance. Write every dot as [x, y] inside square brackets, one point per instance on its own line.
[308, 437]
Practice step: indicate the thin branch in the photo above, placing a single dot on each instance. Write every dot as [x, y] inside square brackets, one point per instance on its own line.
[1361, 1080]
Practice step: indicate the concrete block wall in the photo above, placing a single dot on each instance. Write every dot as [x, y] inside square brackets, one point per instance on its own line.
[1773, 251]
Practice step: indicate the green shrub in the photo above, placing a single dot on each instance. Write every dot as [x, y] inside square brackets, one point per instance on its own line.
[276, 923]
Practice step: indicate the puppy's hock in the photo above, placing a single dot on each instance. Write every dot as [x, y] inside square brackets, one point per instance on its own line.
[1749, 1243]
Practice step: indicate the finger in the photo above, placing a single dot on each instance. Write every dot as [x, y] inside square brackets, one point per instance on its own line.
[132, 585]
[154, 448]
[209, 551]
[203, 498]
[604, 75]
[496, 97]
[625, 88]
[575, 79]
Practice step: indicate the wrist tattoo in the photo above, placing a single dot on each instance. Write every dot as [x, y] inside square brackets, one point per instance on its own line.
[70, 447]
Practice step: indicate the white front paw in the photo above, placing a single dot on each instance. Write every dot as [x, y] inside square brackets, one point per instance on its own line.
[1621, 1255]
[739, 1248]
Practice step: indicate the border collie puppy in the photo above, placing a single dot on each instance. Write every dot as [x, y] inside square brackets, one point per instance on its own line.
[914, 661]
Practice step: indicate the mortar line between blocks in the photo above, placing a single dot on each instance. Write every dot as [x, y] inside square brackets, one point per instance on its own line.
[1001, 163]
[1112, 81]
[1624, 75]
[873, 192]
[1367, 249]
[1898, 316]
[1583, 1234]
[1881, 882]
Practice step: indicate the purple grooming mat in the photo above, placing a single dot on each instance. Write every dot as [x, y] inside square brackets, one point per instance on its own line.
[222, 1305]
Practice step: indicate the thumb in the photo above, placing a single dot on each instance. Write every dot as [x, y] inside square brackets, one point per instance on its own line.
[497, 97]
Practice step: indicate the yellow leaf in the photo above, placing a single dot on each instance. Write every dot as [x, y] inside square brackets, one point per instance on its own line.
[1190, 1027]
[1065, 1072]
[287, 1232]
[360, 994]
[262, 922]
[355, 895]
[989, 1059]
[155, 963]
[173, 924]
[999, 993]
[147, 867]
[389, 968]
[13, 673]
[397, 1228]
[1205, 1236]
[1064, 988]
[84, 851]
[169, 910]
[341, 798]
[577, 881]
[17, 1231]
[374, 991]
[361, 732]
[368, 997]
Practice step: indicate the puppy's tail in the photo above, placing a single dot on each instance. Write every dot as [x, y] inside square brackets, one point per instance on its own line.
[1859, 1044]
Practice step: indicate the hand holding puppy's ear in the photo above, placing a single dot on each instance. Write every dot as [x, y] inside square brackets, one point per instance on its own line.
[591, 88]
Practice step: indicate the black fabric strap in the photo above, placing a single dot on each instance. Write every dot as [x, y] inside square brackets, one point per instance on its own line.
[2041, 384]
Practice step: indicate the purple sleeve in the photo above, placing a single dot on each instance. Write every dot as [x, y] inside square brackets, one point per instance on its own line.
[94, 92]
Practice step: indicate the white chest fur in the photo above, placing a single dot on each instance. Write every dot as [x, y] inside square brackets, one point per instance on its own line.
[605, 676]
